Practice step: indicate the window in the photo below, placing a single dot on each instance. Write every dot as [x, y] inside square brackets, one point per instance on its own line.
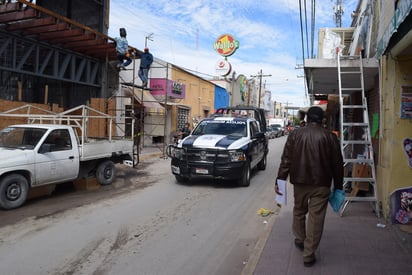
[59, 140]
[254, 128]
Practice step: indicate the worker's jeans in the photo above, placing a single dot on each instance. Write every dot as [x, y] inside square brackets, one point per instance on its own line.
[311, 200]
[143, 75]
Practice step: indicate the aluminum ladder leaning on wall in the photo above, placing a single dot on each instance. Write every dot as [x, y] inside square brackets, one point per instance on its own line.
[355, 136]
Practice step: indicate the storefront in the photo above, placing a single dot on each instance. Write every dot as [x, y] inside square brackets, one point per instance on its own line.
[395, 163]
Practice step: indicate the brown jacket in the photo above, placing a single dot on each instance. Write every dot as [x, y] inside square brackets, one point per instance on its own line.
[312, 156]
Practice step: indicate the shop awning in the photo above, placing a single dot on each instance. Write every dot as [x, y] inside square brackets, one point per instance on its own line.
[145, 98]
[179, 105]
[322, 74]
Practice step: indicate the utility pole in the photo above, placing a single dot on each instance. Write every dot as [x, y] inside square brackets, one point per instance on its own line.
[260, 75]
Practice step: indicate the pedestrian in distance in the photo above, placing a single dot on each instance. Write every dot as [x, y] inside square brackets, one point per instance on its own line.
[312, 159]
[186, 130]
[146, 60]
[122, 50]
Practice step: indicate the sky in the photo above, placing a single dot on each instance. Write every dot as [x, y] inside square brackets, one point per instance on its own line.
[182, 32]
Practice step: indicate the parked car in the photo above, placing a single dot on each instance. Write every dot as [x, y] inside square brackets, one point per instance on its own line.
[277, 132]
[279, 128]
[270, 133]
[39, 154]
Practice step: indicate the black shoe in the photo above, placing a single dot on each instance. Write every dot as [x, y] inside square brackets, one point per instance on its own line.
[299, 245]
[310, 263]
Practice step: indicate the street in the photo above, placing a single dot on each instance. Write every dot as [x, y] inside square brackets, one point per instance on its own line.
[145, 223]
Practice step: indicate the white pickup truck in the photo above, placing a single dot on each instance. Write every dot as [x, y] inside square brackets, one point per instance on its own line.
[39, 154]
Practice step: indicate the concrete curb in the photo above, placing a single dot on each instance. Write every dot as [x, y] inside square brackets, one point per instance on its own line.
[250, 267]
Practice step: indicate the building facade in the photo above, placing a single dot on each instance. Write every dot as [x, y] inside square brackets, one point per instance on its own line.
[381, 34]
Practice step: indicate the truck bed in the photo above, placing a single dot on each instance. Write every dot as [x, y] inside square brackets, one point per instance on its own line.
[101, 148]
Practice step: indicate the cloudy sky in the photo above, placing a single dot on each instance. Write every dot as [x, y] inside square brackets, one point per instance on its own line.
[184, 32]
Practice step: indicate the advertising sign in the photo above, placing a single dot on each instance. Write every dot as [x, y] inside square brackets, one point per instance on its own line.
[401, 206]
[161, 86]
[406, 102]
[226, 45]
[223, 68]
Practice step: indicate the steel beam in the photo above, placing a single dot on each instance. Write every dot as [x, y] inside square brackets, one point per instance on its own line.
[31, 57]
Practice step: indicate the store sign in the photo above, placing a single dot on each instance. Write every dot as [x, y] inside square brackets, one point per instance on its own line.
[173, 89]
[177, 88]
[223, 68]
[226, 45]
[402, 11]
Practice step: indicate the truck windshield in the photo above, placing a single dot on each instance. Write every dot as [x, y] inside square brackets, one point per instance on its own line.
[210, 127]
[20, 137]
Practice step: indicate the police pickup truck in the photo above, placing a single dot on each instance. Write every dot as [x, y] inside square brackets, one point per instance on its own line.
[226, 146]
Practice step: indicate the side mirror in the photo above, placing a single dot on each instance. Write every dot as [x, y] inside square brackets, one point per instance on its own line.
[259, 135]
[45, 148]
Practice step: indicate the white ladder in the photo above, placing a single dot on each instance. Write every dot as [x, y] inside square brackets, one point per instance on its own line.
[355, 137]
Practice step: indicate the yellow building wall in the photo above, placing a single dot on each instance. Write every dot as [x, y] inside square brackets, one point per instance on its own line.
[393, 171]
[199, 93]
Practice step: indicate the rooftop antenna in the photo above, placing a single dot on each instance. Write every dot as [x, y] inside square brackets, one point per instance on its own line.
[148, 37]
[338, 12]
[197, 38]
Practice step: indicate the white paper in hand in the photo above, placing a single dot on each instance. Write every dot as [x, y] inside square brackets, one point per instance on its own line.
[282, 189]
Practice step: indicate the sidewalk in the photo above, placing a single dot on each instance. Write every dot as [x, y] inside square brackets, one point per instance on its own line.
[351, 244]
[148, 153]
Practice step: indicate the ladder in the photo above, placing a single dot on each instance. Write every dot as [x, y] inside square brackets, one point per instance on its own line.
[355, 136]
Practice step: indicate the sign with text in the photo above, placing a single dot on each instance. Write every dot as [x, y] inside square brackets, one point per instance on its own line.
[161, 86]
[226, 45]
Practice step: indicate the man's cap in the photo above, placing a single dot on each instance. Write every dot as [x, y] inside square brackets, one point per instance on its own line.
[146, 49]
[315, 114]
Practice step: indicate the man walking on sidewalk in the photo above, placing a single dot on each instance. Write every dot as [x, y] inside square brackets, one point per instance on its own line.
[312, 159]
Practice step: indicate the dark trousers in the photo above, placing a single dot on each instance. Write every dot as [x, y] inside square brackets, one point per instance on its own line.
[122, 58]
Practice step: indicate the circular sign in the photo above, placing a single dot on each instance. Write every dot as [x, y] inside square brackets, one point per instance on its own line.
[223, 68]
[226, 45]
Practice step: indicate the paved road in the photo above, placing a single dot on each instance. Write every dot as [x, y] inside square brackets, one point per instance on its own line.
[207, 227]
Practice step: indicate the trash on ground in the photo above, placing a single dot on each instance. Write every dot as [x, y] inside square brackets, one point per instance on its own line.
[264, 212]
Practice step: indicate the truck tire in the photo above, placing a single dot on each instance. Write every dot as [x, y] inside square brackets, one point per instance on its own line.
[105, 172]
[13, 191]
[262, 163]
[244, 181]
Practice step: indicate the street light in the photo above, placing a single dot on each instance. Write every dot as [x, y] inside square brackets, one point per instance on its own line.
[260, 75]
[149, 37]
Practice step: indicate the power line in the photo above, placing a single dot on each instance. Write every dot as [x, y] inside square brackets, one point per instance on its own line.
[306, 29]
[301, 30]
[303, 11]
[313, 27]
